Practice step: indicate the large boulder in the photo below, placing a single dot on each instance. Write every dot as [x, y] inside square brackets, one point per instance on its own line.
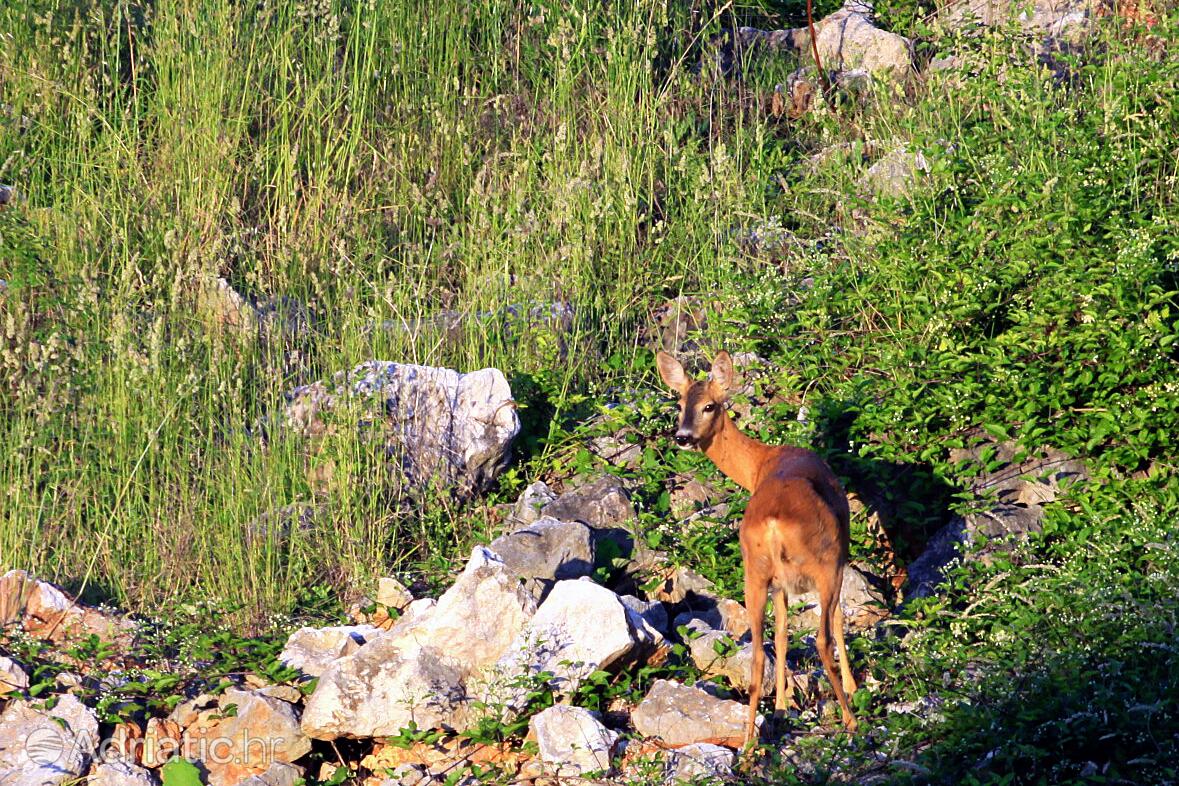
[848, 40]
[601, 504]
[572, 741]
[45, 747]
[312, 650]
[681, 715]
[580, 628]
[440, 429]
[417, 671]
[1016, 485]
[243, 736]
[547, 550]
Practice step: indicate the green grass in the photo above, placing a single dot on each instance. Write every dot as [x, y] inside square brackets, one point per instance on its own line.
[381, 163]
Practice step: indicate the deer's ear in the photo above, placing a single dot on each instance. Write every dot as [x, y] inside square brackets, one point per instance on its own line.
[722, 372]
[672, 372]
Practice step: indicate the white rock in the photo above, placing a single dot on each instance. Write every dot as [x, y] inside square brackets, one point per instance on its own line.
[680, 715]
[43, 747]
[246, 735]
[847, 40]
[440, 428]
[417, 671]
[580, 628]
[312, 650]
[572, 741]
[117, 772]
[279, 774]
[700, 760]
[716, 654]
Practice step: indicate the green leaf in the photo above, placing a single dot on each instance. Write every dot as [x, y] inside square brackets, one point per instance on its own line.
[179, 772]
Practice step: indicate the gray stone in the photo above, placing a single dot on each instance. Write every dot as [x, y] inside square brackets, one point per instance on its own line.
[895, 175]
[439, 429]
[602, 504]
[716, 654]
[417, 671]
[572, 741]
[118, 772]
[700, 760]
[6, 195]
[681, 715]
[1067, 20]
[43, 747]
[279, 774]
[652, 612]
[580, 628]
[863, 605]
[724, 614]
[312, 650]
[547, 549]
[1018, 485]
[528, 506]
[848, 40]
[12, 676]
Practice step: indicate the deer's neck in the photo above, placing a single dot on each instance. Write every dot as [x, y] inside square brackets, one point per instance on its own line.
[739, 456]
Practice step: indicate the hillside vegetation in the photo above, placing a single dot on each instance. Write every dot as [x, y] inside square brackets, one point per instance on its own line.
[522, 186]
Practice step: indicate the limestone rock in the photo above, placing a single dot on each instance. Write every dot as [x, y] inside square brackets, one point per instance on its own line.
[244, 736]
[716, 654]
[438, 427]
[601, 504]
[863, 605]
[547, 549]
[12, 676]
[161, 741]
[700, 760]
[279, 774]
[572, 741]
[1068, 20]
[528, 506]
[417, 671]
[848, 40]
[580, 628]
[312, 650]
[895, 174]
[118, 772]
[46, 612]
[652, 612]
[392, 594]
[681, 715]
[725, 614]
[44, 747]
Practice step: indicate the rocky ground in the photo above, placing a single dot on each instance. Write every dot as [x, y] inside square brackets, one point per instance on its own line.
[423, 690]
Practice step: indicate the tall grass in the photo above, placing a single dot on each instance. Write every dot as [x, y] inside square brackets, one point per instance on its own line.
[379, 164]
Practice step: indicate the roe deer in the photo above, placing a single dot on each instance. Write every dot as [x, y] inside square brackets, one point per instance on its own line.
[794, 536]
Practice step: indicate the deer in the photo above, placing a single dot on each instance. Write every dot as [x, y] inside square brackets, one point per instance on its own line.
[794, 534]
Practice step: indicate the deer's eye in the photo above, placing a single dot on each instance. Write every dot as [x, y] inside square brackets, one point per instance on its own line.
[709, 407]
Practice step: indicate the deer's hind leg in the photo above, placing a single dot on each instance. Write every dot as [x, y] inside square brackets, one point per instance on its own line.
[849, 681]
[828, 600]
[756, 591]
[783, 679]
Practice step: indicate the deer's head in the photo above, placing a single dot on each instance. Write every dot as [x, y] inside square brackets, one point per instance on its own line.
[702, 402]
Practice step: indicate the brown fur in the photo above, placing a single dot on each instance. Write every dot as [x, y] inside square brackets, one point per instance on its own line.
[794, 536]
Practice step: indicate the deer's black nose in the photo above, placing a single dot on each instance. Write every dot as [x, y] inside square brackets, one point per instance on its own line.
[683, 440]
